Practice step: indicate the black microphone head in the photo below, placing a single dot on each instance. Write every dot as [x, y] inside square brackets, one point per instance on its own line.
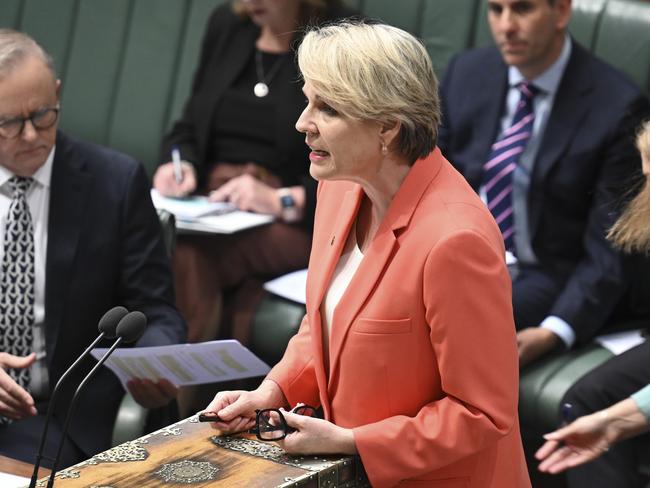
[132, 326]
[108, 322]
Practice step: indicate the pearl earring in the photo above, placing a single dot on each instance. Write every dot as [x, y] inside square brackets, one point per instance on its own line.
[384, 149]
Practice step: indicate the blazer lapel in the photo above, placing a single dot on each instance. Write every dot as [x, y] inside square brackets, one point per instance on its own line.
[320, 275]
[487, 119]
[379, 253]
[69, 192]
[569, 109]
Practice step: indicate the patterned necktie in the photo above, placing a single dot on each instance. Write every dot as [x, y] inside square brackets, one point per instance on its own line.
[504, 156]
[17, 279]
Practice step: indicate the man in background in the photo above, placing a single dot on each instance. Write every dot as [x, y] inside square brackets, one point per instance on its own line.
[79, 236]
[544, 131]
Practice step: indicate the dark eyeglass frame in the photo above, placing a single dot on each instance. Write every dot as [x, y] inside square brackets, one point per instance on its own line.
[12, 128]
[260, 424]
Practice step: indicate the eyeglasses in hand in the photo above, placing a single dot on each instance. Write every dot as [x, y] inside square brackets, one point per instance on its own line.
[270, 424]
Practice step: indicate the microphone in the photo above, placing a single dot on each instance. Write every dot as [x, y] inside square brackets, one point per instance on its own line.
[107, 327]
[129, 329]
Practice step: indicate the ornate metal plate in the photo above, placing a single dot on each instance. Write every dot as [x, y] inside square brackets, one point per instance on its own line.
[187, 472]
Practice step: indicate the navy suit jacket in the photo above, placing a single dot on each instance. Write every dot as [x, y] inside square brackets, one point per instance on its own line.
[105, 248]
[586, 163]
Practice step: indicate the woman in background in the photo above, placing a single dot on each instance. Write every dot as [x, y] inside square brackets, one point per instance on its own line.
[237, 140]
[611, 411]
[408, 344]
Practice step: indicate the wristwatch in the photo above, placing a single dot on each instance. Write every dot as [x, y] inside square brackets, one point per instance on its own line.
[289, 212]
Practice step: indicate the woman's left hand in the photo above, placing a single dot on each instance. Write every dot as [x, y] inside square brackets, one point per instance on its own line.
[316, 436]
[248, 193]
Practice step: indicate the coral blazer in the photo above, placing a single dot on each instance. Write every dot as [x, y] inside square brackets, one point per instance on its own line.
[422, 361]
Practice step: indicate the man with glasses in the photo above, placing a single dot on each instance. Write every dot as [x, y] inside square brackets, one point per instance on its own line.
[78, 236]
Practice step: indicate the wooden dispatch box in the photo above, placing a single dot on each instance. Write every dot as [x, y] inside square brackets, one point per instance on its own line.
[192, 454]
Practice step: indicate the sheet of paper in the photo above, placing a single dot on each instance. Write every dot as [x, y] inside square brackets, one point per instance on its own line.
[227, 223]
[620, 342]
[185, 364]
[10, 481]
[291, 286]
[190, 207]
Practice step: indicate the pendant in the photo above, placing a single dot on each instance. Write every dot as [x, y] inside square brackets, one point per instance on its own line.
[261, 89]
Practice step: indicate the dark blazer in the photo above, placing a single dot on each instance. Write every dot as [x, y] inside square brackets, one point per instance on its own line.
[586, 162]
[104, 249]
[228, 45]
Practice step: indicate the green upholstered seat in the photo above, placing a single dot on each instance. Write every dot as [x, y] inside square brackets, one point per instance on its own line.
[275, 322]
[624, 39]
[544, 383]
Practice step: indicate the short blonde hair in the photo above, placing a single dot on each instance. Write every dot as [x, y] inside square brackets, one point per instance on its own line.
[631, 232]
[375, 72]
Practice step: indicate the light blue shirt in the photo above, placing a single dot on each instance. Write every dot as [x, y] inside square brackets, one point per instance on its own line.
[642, 399]
[548, 83]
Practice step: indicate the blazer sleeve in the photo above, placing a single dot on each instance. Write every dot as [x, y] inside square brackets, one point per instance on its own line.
[601, 276]
[145, 278]
[295, 373]
[467, 298]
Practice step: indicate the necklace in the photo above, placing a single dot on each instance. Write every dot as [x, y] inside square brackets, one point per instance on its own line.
[261, 88]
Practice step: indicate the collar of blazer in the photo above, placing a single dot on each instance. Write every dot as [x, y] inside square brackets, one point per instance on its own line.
[331, 234]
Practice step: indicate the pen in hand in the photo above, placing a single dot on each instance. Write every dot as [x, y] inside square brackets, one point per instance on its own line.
[178, 167]
[567, 414]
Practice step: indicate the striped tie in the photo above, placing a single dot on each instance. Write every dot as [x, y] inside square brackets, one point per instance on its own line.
[504, 155]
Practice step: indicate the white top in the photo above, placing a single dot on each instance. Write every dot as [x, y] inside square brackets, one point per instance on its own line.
[343, 273]
[38, 200]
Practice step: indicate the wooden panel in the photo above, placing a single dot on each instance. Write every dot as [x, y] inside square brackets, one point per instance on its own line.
[10, 13]
[51, 24]
[145, 82]
[93, 67]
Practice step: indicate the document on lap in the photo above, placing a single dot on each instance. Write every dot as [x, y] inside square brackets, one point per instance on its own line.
[198, 215]
[185, 364]
[291, 286]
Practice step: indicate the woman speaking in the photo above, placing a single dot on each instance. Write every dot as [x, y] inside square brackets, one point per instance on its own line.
[408, 344]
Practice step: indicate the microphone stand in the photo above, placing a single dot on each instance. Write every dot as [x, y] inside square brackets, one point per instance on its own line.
[50, 410]
[73, 403]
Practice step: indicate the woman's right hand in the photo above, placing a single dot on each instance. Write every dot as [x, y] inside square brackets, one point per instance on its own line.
[236, 409]
[164, 180]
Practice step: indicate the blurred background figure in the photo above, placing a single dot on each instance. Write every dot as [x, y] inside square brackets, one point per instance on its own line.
[237, 140]
[610, 411]
[408, 343]
[79, 236]
[533, 125]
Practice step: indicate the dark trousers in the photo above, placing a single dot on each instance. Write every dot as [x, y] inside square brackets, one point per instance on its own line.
[610, 383]
[20, 440]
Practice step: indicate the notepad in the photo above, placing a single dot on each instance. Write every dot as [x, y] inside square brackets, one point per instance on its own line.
[190, 207]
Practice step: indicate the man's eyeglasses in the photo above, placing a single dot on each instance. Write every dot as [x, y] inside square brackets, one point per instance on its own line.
[270, 424]
[40, 119]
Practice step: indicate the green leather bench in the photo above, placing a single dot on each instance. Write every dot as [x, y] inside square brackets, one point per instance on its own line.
[127, 67]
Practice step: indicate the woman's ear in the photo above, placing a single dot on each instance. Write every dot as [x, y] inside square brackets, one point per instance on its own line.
[388, 132]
